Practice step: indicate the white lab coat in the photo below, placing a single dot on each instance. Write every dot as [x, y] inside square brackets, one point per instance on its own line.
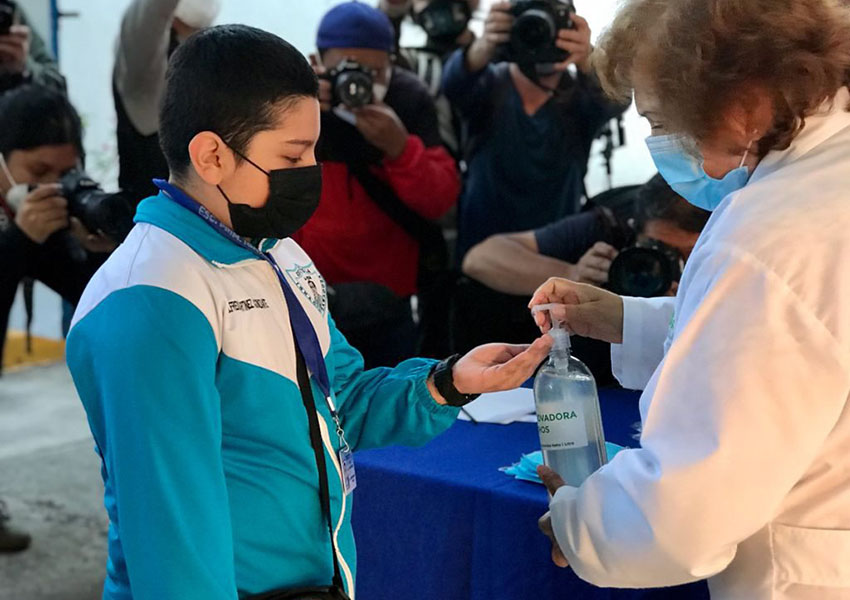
[744, 471]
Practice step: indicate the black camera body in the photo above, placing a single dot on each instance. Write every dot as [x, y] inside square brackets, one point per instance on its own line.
[535, 30]
[99, 211]
[644, 267]
[8, 12]
[444, 20]
[351, 84]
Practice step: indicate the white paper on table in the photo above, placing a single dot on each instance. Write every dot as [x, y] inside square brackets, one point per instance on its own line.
[502, 407]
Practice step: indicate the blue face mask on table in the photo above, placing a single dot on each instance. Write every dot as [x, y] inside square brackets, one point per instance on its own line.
[526, 468]
[686, 175]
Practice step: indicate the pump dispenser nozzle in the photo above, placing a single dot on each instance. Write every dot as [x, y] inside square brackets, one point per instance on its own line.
[559, 335]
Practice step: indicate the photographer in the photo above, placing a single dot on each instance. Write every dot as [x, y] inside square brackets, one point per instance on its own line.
[150, 32]
[580, 247]
[24, 58]
[446, 23]
[40, 140]
[642, 235]
[386, 179]
[531, 121]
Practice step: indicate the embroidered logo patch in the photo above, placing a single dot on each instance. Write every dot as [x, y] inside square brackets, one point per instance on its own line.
[312, 285]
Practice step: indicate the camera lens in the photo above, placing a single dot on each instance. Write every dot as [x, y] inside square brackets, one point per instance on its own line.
[111, 213]
[644, 271]
[354, 88]
[534, 29]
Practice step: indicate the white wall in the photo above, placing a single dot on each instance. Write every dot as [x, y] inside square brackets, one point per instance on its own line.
[86, 56]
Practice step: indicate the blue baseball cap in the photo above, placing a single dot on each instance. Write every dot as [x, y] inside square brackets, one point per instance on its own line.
[355, 25]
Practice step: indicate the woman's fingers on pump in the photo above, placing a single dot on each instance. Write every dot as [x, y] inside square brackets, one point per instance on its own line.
[560, 291]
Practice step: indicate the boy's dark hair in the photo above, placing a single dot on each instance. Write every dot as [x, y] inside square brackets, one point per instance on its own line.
[32, 115]
[656, 201]
[232, 80]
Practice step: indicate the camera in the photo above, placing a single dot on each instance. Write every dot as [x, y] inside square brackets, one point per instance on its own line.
[645, 270]
[8, 12]
[444, 20]
[98, 211]
[535, 30]
[351, 83]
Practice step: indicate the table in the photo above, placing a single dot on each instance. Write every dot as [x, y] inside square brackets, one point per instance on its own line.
[442, 523]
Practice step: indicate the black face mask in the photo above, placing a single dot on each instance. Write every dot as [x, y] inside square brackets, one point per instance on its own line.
[444, 20]
[293, 198]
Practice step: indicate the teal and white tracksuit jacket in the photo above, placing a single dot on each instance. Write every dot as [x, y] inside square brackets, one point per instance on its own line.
[183, 356]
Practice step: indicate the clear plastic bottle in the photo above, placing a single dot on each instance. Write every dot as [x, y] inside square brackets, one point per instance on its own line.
[568, 417]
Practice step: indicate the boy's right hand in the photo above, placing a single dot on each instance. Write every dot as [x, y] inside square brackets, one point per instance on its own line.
[497, 31]
[42, 213]
[584, 309]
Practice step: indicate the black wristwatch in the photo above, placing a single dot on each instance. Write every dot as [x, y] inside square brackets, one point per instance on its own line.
[443, 374]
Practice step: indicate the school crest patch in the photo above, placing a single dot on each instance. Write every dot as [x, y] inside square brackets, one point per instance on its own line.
[311, 284]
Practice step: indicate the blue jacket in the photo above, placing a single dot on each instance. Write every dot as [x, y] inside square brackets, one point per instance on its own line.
[183, 356]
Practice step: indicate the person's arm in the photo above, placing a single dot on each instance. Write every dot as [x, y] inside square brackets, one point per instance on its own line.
[383, 406]
[512, 264]
[144, 364]
[733, 423]
[467, 90]
[41, 67]
[646, 324]
[426, 179]
[142, 58]
[416, 165]
[519, 263]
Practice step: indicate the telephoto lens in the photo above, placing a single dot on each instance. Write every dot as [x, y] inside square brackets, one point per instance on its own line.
[99, 212]
[645, 270]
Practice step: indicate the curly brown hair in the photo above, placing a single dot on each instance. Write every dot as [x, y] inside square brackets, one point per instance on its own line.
[698, 55]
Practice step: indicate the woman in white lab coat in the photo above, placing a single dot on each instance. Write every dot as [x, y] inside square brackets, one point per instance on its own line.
[743, 475]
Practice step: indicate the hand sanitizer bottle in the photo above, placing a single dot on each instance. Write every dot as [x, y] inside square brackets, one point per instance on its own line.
[568, 417]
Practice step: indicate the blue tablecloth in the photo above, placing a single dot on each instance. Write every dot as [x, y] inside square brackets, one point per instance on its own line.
[442, 523]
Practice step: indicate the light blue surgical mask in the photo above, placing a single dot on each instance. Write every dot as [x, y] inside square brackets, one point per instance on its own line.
[686, 175]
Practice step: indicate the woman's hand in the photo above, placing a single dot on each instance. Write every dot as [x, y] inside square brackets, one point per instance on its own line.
[585, 310]
[553, 483]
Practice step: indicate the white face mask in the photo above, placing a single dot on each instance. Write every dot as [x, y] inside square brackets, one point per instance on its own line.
[17, 191]
[379, 90]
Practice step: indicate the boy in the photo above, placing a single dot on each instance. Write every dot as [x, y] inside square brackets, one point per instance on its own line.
[190, 350]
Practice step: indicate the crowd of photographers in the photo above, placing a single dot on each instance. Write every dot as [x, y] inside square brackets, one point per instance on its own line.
[452, 172]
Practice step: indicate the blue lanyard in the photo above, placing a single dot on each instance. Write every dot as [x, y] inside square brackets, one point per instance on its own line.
[305, 334]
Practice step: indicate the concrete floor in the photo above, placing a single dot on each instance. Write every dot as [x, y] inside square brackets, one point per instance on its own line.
[50, 479]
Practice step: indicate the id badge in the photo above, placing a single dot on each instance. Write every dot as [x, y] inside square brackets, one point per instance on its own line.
[349, 476]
